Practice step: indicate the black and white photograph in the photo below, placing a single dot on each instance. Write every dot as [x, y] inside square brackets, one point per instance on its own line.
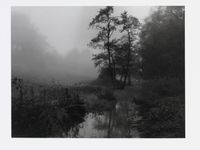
[98, 71]
[99, 74]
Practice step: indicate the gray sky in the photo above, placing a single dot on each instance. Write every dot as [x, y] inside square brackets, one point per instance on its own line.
[66, 28]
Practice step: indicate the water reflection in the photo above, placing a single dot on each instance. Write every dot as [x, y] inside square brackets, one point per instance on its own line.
[116, 123]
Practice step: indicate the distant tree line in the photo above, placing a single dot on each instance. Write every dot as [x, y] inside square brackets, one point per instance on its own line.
[154, 49]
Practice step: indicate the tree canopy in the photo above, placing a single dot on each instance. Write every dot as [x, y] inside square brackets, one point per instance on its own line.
[154, 48]
[162, 41]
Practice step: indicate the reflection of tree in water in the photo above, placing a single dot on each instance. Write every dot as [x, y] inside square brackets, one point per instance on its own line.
[117, 122]
[101, 121]
[74, 131]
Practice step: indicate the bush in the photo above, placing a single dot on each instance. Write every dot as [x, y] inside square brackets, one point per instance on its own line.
[165, 119]
[106, 94]
[168, 87]
[162, 106]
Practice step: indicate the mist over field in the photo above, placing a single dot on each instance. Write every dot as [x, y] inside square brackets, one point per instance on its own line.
[33, 57]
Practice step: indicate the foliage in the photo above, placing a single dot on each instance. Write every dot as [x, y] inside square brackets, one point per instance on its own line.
[44, 110]
[104, 22]
[162, 41]
[118, 56]
[166, 118]
[127, 50]
[162, 107]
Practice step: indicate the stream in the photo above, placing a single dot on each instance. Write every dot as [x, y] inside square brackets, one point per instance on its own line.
[116, 123]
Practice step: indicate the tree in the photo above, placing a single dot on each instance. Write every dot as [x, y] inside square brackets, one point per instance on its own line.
[104, 22]
[162, 40]
[127, 50]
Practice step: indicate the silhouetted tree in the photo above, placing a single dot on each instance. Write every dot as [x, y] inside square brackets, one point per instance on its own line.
[127, 50]
[104, 22]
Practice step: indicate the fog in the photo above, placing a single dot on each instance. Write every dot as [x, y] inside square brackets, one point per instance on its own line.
[51, 42]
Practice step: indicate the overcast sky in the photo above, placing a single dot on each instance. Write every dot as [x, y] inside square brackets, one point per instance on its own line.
[66, 28]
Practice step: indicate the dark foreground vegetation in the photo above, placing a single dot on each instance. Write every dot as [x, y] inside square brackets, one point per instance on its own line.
[162, 106]
[140, 90]
[44, 110]
[54, 110]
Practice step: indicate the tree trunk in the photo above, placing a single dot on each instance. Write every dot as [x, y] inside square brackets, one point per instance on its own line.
[129, 78]
[125, 78]
[109, 53]
[114, 69]
[128, 61]
[121, 77]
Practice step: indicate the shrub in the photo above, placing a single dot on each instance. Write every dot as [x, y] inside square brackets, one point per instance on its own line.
[106, 94]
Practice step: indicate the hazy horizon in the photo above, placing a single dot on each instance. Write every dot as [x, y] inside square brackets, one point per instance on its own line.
[61, 52]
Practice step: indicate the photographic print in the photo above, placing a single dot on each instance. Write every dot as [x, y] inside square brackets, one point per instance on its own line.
[98, 71]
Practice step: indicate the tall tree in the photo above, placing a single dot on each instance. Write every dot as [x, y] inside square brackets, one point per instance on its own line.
[162, 40]
[130, 27]
[104, 22]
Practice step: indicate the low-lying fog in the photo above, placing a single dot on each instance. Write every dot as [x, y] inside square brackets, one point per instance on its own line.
[51, 42]
[33, 57]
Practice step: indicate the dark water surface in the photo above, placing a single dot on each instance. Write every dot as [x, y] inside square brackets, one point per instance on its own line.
[116, 123]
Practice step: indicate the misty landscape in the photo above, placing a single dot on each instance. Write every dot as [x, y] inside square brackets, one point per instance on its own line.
[98, 72]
